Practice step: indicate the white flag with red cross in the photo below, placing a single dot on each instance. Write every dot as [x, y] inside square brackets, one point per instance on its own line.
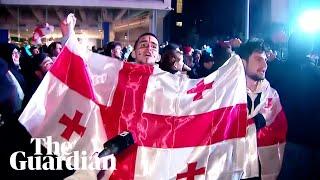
[182, 128]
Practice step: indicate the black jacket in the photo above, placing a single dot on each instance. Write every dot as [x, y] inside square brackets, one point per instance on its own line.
[298, 85]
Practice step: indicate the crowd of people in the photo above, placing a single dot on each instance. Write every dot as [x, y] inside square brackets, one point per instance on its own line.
[296, 80]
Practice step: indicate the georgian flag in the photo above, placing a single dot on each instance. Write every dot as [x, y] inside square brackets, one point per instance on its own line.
[271, 138]
[182, 128]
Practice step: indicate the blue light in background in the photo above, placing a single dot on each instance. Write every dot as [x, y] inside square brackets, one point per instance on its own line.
[309, 21]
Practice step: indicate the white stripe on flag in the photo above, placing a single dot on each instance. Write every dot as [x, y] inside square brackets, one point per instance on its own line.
[222, 160]
[167, 93]
[104, 73]
[57, 100]
[251, 164]
[271, 160]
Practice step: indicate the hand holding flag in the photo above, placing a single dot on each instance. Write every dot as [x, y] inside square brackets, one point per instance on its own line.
[94, 98]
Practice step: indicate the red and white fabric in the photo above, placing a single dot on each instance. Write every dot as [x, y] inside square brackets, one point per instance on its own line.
[271, 138]
[40, 32]
[183, 128]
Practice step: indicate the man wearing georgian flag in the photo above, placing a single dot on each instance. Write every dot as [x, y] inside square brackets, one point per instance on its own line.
[264, 110]
[182, 128]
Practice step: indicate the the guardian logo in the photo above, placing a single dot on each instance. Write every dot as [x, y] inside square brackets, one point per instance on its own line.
[58, 153]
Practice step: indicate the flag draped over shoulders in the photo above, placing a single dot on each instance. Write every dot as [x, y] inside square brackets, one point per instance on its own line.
[182, 128]
[270, 138]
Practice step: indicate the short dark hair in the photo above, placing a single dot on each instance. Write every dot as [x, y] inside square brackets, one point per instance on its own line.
[221, 52]
[168, 57]
[52, 46]
[206, 57]
[37, 60]
[171, 47]
[251, 46]
[144, 34]
[111, 45]
[33, 48]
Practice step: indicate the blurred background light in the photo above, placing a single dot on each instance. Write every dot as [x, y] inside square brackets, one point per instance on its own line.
[309, 21]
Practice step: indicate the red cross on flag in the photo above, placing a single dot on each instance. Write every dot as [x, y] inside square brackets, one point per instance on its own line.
[200, 87]
[87, 98]
[64, 105]
[192, 172]
[72, 125]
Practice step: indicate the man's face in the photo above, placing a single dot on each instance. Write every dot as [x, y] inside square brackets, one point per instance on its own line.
[16, 57]
[57, 50]
[117, 52]
[177, 61]
[46, 64]
[256, 66]
[208, 65]
[147, 50]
